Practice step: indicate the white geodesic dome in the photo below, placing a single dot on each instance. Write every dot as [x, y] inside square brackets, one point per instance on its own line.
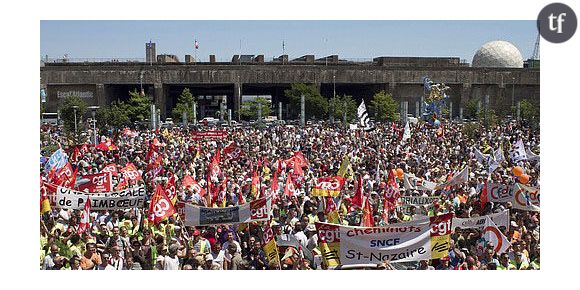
[498, 54]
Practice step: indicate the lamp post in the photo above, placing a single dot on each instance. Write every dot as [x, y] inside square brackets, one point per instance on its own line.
[75, 113]
[513, 87]
[94, 113]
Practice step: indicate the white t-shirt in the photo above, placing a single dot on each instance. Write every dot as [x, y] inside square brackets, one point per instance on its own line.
[171, 263]
[301, 237]
[219, 258]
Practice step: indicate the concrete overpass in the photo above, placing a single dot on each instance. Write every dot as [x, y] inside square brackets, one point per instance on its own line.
[101, 83]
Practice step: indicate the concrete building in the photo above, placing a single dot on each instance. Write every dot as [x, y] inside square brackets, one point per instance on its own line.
[101, 83]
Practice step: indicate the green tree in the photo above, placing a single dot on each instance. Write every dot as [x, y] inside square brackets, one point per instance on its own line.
[184, 104]
[383, 107]
[249, 109]
[316, 105]
[530, 112]
[341, 103]
[138, 108]
[67, 112]
[114, 115]
[471, 108]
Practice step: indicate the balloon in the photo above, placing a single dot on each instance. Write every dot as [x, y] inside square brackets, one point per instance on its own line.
[518, 171]
[400, 173]
[437, 123]
[524, 178]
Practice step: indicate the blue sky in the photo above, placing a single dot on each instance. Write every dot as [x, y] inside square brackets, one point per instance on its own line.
[348, 39]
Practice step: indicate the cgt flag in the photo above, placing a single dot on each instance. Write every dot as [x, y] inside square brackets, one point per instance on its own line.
[270, 246]
[85, 217]
[327, 186]
[160, 207]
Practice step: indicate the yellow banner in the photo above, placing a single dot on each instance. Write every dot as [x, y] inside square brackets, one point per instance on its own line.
[271, 251]
[440, 247]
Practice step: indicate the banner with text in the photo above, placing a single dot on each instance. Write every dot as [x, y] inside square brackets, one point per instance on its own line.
[124, 199]
[500, 219]
[257, 210]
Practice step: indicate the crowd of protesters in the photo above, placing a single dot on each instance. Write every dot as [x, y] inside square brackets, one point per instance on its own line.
[124, 240]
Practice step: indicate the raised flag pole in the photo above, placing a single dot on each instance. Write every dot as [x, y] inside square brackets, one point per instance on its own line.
[302, 111]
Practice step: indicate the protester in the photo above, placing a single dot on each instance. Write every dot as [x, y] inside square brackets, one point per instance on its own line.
[284, 163]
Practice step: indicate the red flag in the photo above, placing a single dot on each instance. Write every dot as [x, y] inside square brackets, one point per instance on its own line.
[483, 198]
[274, 187]
[233, 151]
[328, 186]
[76, 154]
[299, 157]
[289, 188]
[255, 184]
[357, 200]
[187, 181]
[214, 168]
[298, 169]
[170, 188]
[100, 182]
[112, 168]
[107, 146]
[85, 222]
[160, 207]
[367, 215]
[130, 172]
[392, 191]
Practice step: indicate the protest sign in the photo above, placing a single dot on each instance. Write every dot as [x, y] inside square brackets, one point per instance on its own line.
[328, 186]
[407, 202]
[408, 241]
[459, 178]
[210, 134]
[499, 192]
[257, 210]
[500, 219]
[100, 182]
[526, 198]
[124, 199]
[412, 182]
[270, 247]
[440, 235]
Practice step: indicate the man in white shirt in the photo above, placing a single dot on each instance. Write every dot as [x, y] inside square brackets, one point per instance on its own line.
[171, 261]
[299, 234]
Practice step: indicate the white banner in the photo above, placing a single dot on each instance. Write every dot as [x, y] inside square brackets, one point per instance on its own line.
[500, 219]
[124, 199]
[458, 178]
[526, 198]
[410, 181]
[500, 192]
[258, 210]
[408, 241]
[518, 152]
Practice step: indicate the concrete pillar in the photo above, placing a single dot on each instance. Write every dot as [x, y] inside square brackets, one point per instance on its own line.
[280, 111]
[518, 111]
[153, 117]
[461, 114]
[404, 111]
[259, 113]
[184, 119]
[486, 102]
[229, 117]
[237, 99]
[417, 110]
[450, 111]
[101, 95]
[195, 113]
[465, 95]
[160, 99]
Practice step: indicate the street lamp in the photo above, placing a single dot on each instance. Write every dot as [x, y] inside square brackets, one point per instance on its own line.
[94, 113]
[75, 112]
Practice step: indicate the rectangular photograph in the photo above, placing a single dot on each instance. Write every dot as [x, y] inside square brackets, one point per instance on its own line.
[289, 145]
